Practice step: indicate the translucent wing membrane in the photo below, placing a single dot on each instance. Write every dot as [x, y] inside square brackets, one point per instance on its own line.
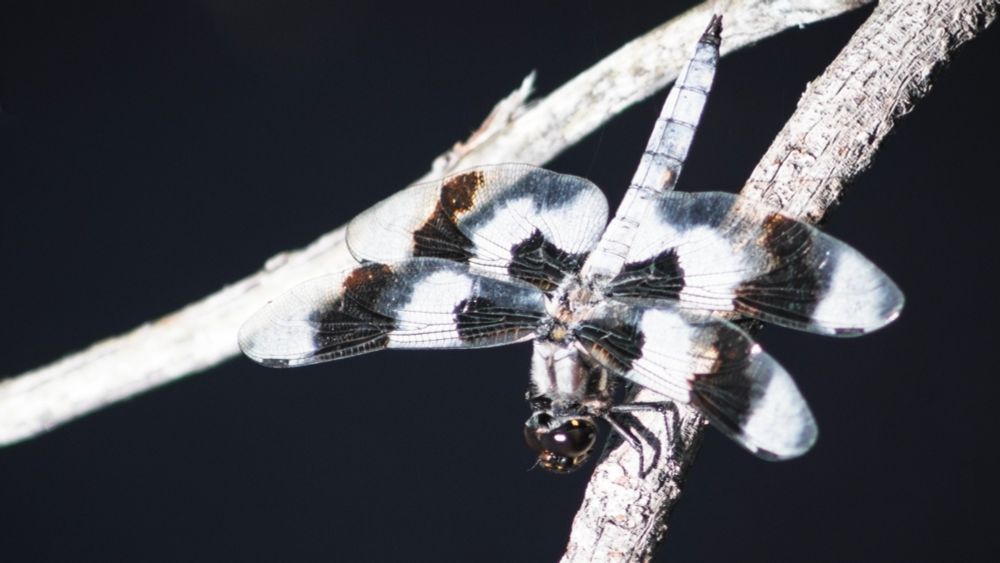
[511, 220]
[718, 252]
[417, 303]
[709, 363]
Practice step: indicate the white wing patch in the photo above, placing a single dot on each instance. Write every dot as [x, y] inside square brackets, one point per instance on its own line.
[713, 269]
[667, 361]
[577, 225]
[432, 304]
[654, 235]
[509, 223]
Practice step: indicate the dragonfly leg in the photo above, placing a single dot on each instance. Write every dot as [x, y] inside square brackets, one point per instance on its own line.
[666, 409]
[634, 433]
[622, 424]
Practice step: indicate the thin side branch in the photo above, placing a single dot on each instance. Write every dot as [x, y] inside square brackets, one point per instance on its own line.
[203, 334]
[841, 120]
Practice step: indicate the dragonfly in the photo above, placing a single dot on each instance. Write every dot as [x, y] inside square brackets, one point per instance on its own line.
[513, 253]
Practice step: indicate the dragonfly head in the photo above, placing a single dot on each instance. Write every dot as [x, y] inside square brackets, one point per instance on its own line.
[562, 443]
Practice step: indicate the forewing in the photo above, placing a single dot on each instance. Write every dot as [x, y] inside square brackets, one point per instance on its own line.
[417, 303]
[709, 363]
[503, 220]
[716, 251]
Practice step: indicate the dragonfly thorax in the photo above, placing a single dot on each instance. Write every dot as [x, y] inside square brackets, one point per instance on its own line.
[573, 300]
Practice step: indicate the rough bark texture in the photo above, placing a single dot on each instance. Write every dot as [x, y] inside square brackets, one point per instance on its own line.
[634, 72]
[841, 120]
[203, 334]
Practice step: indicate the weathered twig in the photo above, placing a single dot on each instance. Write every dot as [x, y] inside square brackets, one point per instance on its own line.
[204, 334]
[841, 120]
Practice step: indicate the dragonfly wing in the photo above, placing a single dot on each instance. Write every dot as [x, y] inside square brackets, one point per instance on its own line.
[715, 251]
[417, 303]
[504, 220]
[709, 363]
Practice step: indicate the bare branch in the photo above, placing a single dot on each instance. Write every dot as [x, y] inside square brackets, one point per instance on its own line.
[841, 120]
[634, 72]
[203, 334]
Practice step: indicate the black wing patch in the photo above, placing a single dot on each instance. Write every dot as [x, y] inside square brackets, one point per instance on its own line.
[657, 277]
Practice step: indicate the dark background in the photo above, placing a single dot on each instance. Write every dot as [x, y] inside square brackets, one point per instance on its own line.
[152, 152]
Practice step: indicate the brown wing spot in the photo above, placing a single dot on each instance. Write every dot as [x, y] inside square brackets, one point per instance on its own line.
[367, 280]
[724, 358]
[781, 234]
[459, 192]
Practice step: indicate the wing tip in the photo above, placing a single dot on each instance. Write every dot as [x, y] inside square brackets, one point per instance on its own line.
[804, 441]
[254, 352]
[895, 302]
[259, 341]
[247, 342]
[861, 299]
[780, 425]
[885, 306]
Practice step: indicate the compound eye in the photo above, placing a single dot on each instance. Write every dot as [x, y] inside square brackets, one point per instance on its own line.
[561, 449]
[534, 428]
[572, 439]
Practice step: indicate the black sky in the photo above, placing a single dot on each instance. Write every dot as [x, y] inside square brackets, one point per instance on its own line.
[152, 152]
